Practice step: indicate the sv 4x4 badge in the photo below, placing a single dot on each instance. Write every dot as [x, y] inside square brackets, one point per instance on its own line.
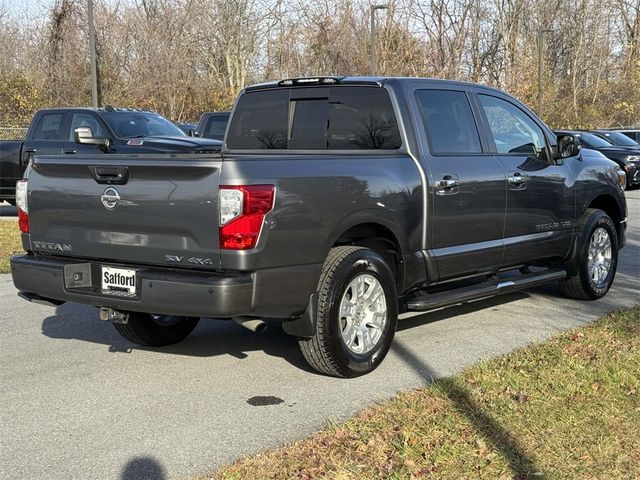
[192, 260]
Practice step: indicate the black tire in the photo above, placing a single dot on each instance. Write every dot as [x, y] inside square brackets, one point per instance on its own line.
[326, 352]
[150, 330]
[581, 286]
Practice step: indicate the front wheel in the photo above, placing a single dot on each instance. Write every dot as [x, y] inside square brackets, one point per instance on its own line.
[149, 330]
[597, 258]
[357, 314]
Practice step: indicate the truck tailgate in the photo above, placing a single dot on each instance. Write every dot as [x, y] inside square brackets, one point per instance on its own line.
[132, 209]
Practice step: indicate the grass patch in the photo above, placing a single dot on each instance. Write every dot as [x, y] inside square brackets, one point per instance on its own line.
[566, 408]
[10, 242]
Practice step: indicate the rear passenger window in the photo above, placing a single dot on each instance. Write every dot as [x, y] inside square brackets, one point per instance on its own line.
[514, 132]
[50, 127]
[449, 121]
[319, 118]
[362, 118]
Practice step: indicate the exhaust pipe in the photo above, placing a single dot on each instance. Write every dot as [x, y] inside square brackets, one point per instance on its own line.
[114, 316]
[254, 324]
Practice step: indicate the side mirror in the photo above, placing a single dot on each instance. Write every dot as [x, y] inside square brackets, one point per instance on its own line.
[568, 146]
[192, 132]
[85, 136]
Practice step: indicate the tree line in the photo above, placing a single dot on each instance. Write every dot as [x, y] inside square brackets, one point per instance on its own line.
[184, 57]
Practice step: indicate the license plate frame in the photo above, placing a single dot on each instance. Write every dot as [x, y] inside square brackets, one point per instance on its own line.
[118, 280]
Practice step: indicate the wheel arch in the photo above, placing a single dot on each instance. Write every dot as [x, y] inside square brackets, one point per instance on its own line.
[377, 235]
[610, 205]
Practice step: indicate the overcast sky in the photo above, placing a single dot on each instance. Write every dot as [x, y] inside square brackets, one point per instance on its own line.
[29, 9]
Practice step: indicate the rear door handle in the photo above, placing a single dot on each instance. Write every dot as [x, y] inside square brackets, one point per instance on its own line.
[69, 151]
[30, 150]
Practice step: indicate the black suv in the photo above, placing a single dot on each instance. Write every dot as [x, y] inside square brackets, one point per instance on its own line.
[626, 157]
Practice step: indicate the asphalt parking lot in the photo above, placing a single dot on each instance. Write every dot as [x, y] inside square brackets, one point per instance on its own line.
[79, 402]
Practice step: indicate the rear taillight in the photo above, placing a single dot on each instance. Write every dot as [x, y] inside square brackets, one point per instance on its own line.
[242, 211]
[21, 203]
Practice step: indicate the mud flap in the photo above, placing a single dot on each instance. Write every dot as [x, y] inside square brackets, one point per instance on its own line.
[305, 325]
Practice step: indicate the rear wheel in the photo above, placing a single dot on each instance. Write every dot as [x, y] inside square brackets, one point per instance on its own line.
[150, 330]
[357, 314]
[597, 258]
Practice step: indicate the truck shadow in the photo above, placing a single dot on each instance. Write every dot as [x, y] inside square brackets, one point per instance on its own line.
[461, 309]
[520, 463]
[214, 337]
[211, 338]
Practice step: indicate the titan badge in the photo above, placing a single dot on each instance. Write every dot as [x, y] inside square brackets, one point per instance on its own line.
[52, 246]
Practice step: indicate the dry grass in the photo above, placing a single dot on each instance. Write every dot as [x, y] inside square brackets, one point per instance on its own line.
[567, 408]
[10, 242]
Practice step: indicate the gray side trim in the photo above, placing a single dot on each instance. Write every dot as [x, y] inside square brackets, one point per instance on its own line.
[470, 247]
[531, 236]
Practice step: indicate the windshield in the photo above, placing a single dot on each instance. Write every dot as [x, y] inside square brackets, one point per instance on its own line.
[141, 124]
[620, 139]
[593, 141]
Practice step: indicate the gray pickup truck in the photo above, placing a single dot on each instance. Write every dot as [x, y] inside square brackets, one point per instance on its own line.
[335, 204]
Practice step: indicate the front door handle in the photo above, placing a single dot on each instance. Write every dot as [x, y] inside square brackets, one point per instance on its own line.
[69, 151]
[517, 180]
[30, 150]
[448, 185]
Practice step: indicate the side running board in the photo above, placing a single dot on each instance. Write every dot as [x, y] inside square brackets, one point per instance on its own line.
[490, 288]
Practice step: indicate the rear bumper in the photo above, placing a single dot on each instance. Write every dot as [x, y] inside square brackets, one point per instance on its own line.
[171, 291]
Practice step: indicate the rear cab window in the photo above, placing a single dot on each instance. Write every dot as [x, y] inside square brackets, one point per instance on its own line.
[51, 126]
[315, 118]
[215, 127]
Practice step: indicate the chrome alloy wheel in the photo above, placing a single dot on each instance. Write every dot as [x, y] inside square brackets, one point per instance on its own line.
[599, 257]
[363, 313]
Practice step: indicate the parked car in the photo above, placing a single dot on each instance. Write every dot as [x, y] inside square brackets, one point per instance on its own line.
[628, 159]
[190, 129]
[213, 125]
[632, 133]
[336, 204]
[87, 131]
[618, 139]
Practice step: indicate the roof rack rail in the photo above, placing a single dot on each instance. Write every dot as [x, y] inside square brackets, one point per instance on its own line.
[321, 80]
[309, 81]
